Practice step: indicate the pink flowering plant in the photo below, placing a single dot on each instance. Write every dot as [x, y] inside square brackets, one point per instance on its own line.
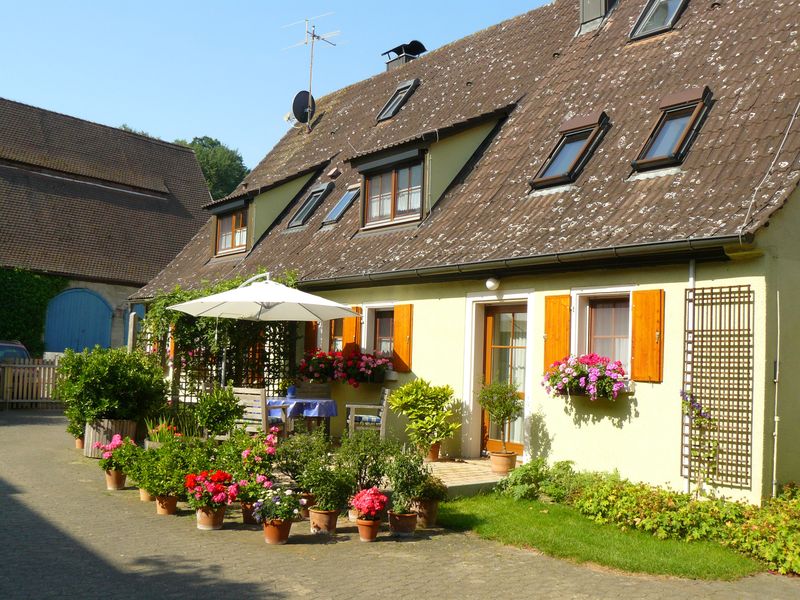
[259, 453]
[353, 368]
[369, 503]
[254, 488]
[588, 374]
[278, 505]
[210, 489]
[118, 454]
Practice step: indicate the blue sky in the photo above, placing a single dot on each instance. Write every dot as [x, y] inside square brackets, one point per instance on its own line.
[186, 69]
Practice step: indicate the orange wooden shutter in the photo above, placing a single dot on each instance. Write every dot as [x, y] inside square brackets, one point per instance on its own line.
[647, 336]
[401, 357]
[556, 329]
[351, 332]
[310, 337]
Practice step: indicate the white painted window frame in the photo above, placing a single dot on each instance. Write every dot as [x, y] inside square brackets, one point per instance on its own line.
[579, 317]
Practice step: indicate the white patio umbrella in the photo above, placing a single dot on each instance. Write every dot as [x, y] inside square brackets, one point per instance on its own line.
[256, 300]
[265, 301]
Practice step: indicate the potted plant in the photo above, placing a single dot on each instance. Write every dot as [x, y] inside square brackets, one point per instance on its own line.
[276, 511]
[364, 455]
[162, 474]
[588, 374]
[116, 457]
[503, 404]
[430, 412]
[406, 474]
[133, 470]
[218, 410]
[209, 493]
[426, 504]
[107, 391]
[369, 504]
[294, 453]
[159, 431]
[331, 487]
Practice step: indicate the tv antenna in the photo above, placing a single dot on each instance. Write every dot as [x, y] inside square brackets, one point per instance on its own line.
[303, 97]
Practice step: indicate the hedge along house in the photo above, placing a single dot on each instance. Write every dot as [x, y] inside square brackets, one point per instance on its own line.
[618, 178]
[104, 208]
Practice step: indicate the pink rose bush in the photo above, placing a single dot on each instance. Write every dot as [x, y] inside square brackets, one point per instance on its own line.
[353, 368]
[369, 503]
[590, 374]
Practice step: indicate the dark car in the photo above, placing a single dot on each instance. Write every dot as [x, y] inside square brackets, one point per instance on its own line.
[12, 349]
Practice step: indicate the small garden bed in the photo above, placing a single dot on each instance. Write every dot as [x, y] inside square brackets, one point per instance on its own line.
[561, 531]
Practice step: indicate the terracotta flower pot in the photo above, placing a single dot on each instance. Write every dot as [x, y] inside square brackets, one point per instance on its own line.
[502, 462]
[427, 511]
[79, 443]
[368, 530]
[433, 452]
[277, 531]
[146, 496]
[310, 499]
[210, 518]
[247, 514]
[115, 480]
[166, 505]
[402, 524]
[323, 522]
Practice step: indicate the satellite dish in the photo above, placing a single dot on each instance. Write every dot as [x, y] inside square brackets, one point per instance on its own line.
[303, 107]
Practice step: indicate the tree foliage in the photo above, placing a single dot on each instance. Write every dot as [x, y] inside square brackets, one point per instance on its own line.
[223, 167]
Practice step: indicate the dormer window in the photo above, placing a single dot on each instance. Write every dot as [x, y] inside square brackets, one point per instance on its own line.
[232, 231]
[401, 94]
[681, 116]
[315, 197]
[342, 205]
[393, 195]
[657, 16]
[579, 137]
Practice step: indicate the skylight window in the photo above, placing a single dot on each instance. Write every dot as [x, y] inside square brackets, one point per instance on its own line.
[680, 119]
[657, 16]
[342, 205]
[579, 137]
[309, 206]
[400, 96]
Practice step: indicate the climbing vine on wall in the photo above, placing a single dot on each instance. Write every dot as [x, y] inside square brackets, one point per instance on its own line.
[257, 353]
[23, 308]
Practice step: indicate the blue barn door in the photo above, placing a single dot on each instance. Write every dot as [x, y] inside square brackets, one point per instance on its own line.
[77, 318]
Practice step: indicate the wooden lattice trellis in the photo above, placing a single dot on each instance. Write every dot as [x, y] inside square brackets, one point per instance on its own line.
[718, 372]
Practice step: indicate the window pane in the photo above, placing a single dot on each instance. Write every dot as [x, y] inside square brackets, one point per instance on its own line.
[669, 134]
[225, 235]
[337, 326]
[380, 196]
[241, 237]
[570, 149]
[518, 369]
[609, 319]
[501, 365]
[502, 330]
[520, 329]
[305, 211]
[385, 321]
[342, 205]
[337, 345]
[660, 16]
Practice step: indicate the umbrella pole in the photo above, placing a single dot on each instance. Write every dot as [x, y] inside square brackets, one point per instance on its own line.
[224, 361]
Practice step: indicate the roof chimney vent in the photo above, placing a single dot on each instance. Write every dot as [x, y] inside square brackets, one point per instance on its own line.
[593, 12]
[404, 53]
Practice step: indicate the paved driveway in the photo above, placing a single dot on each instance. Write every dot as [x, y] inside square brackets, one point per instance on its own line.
[63, 536]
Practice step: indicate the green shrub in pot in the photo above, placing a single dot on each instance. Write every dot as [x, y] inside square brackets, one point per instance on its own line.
[430, 409]
[218, 410]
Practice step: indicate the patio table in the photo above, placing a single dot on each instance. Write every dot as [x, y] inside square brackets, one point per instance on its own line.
[312, 409]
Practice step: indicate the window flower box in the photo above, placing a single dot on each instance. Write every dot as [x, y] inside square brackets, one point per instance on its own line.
[589, 375]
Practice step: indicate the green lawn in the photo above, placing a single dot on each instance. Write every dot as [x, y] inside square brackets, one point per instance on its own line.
[562, 532]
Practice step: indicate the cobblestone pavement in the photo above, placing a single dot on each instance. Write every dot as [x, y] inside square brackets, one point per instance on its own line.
[62, 535]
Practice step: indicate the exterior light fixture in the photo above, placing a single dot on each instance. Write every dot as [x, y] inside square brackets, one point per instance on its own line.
[492, 284]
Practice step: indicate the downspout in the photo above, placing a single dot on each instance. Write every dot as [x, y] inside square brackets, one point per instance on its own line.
[690, 326]
[776, 380]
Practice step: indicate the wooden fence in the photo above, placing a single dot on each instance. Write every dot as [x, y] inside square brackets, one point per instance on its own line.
[27, 381]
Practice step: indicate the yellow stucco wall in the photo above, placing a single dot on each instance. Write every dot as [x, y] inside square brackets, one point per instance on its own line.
[639, 435]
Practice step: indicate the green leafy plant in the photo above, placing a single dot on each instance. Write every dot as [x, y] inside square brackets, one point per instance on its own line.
[294, 453]
[433, 488]
[365, 456]
[502, 402]
[218, 410]
[331, 485]
[429, 409]
[162, 470]
[278, 504]
[24, 306]
[406, 475]
[118, 454]
[108, 384]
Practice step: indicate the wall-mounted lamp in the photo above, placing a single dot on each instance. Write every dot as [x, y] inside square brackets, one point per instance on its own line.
[492, 284]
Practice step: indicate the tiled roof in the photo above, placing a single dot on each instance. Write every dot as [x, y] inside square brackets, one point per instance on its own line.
[745, 51]
[90, 201]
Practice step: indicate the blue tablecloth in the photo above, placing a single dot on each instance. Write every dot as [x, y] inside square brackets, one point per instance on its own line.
[304, 407]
